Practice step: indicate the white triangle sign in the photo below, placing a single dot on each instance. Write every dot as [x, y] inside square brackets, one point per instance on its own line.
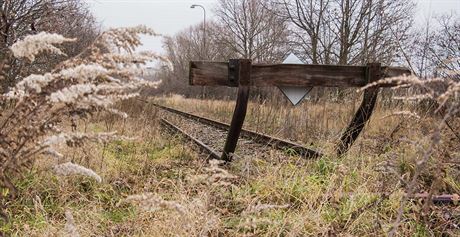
[294, 94]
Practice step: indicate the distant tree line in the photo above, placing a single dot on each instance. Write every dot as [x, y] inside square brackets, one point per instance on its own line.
[340, 32]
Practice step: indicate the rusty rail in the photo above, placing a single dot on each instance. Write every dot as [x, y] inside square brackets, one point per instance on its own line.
[205, 148]
[439, 199]
[255, 136]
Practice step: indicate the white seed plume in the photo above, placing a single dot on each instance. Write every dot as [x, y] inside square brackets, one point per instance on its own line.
[413, 98]
[152, 202]
[70, 229]
[134, 58]
[32, 45]
[118, 112]
[401, 80]
[76, 137]
[127, 38]
[84, 72]
[70, 168]
[404, 113]
[262, 207]
[34, 82]
[53, 153]
[72, 93]
[31, 84]
[215, 176]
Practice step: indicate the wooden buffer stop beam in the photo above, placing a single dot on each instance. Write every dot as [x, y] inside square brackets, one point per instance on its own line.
[241, 73]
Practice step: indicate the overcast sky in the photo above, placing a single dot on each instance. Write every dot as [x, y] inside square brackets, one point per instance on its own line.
[170, 16]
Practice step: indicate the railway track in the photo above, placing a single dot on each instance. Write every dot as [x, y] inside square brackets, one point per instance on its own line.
[210, 140]
[200, 144]
[256, 137]
[213, 134]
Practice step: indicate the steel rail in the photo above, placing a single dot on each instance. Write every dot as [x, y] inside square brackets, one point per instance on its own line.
[255, 136]
[200, 144]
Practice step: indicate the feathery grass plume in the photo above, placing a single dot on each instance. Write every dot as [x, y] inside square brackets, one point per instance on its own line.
[414, 97]
[106, 72]
[251, 223]
[215, 175]
[403, 113]
[69, 168]
[38, 205]
[33, 82]
[262, 207]
[76, 139]
[403, 80]
[32, 45]
[127, 38]
[53, 153]
[152, 202]
[70, 228]
[83, 72]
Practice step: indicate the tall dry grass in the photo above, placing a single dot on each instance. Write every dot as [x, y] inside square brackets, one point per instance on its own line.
[157, 186]
[40, 112]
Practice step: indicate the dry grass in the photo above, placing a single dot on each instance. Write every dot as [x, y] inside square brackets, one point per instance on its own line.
[358, 195]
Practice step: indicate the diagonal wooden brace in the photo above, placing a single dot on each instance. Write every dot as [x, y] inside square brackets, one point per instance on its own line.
[239, 73]
[373, 73]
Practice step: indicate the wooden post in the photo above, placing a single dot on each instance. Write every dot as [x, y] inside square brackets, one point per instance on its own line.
[373, 73]
[239, 72]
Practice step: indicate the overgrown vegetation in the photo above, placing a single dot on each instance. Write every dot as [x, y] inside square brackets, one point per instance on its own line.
[181, 194]
[81, 156]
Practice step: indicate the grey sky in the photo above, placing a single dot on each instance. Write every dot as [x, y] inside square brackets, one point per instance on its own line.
[170, 16]
[166, 17]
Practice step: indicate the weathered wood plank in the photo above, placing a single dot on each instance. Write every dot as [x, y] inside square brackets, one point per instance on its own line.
[209, 73]
[216, 74]
[306, 75]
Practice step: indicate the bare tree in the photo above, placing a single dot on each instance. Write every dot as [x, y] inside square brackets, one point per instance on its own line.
[309, 34]
[252, 30]
[446, 50]
[434, 48]
[347, 31]
[184, 47]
